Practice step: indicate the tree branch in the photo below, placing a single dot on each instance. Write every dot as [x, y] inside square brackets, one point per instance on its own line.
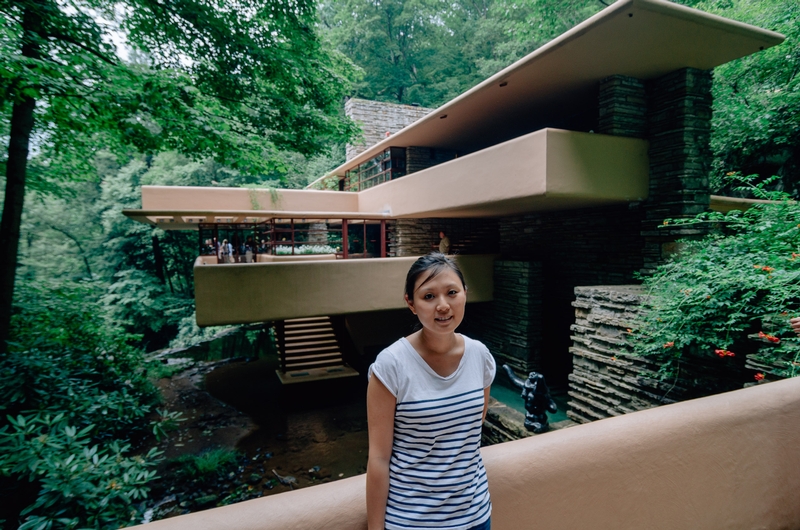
[84, 47]
[80, 248]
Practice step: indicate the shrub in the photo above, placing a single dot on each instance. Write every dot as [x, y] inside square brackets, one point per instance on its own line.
[716, 295]
[206, 465]
[72, 392]
[81, 484]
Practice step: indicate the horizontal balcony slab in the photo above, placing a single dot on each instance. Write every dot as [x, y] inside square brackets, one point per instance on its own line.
[550, 169]
[263, 292]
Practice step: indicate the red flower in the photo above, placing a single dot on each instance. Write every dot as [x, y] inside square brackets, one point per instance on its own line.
[759, 376]
[724, 353]
[771, 338]
[669, 344]
[767, 269]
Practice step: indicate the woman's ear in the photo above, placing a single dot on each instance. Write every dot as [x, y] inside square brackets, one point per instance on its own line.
[409, 303]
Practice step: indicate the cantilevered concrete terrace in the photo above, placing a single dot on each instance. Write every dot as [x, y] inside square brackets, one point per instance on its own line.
[544, 170]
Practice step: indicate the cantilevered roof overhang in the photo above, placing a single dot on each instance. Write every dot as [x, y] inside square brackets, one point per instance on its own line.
[514, 113]
[644, 39]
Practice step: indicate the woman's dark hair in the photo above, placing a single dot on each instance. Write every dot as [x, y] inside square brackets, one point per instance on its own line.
[435, 262]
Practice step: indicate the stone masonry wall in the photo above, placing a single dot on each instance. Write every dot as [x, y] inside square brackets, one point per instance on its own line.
[622, 107]
[679, 130]
[417, 237]
[577, 247]
[419, 158]
[607, 380]
[512, 327]
[376, 118]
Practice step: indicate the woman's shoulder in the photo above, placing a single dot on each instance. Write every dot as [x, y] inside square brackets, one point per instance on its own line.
[481, 356]
[473, 344]
[392, 354]
[388, 367]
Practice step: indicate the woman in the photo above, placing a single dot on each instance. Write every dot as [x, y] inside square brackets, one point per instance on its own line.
[426, 402]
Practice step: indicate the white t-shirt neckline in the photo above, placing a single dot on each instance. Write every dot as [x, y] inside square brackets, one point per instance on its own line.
[427, 367]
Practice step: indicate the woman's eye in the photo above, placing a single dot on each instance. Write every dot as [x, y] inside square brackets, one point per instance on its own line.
[453, 292]
[428, 296]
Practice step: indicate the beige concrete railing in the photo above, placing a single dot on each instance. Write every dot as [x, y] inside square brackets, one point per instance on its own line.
[300, 287]
[730, 461]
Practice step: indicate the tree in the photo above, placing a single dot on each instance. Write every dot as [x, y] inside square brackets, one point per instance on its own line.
[238, 81]
[428, 52]
[756, 123]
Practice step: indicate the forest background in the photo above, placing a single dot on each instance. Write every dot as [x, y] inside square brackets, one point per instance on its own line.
[163, 110]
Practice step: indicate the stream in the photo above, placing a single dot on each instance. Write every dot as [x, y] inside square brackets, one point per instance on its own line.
[286, 436]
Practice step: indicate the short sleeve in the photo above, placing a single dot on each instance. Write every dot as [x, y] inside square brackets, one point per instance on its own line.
[385, 369]
[489, 367]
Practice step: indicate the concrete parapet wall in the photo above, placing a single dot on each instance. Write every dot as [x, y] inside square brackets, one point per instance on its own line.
[243, 293]
[727, 462]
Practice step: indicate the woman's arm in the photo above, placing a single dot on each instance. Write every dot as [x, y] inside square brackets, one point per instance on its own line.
[485, 402]
[380, 418]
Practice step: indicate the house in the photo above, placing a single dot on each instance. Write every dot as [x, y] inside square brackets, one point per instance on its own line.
[557, 172]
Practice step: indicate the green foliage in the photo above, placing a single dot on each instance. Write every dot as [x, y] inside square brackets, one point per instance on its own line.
[428, 52]
[756, 121]
[167, 421]
[81, 483]
[148, 292]
[66, 358]
[741, 280]
[206, 465]
[236, 82]
[72, 391]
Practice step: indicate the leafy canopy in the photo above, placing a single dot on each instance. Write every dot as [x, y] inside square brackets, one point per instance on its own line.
[233, 80]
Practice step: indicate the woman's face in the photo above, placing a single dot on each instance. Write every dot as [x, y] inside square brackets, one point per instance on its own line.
[439, 302]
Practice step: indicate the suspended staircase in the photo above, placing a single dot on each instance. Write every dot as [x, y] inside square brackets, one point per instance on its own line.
[310, 351]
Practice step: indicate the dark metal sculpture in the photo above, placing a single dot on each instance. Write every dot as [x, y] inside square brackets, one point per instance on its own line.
[537, 400]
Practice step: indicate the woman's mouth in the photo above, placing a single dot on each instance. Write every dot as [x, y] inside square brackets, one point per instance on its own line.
[444, 319]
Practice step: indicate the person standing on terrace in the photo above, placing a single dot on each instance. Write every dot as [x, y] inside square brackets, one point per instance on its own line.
[444, 243]
[426, 402]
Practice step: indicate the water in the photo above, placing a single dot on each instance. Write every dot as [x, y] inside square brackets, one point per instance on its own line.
[511, 397]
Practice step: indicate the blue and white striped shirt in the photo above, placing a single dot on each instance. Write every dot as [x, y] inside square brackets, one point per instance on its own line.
[436, 474]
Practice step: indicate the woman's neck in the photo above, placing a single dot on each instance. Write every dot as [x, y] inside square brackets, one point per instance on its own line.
[436, 343]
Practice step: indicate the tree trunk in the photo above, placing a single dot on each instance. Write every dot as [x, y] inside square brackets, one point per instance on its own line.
[16, 168]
